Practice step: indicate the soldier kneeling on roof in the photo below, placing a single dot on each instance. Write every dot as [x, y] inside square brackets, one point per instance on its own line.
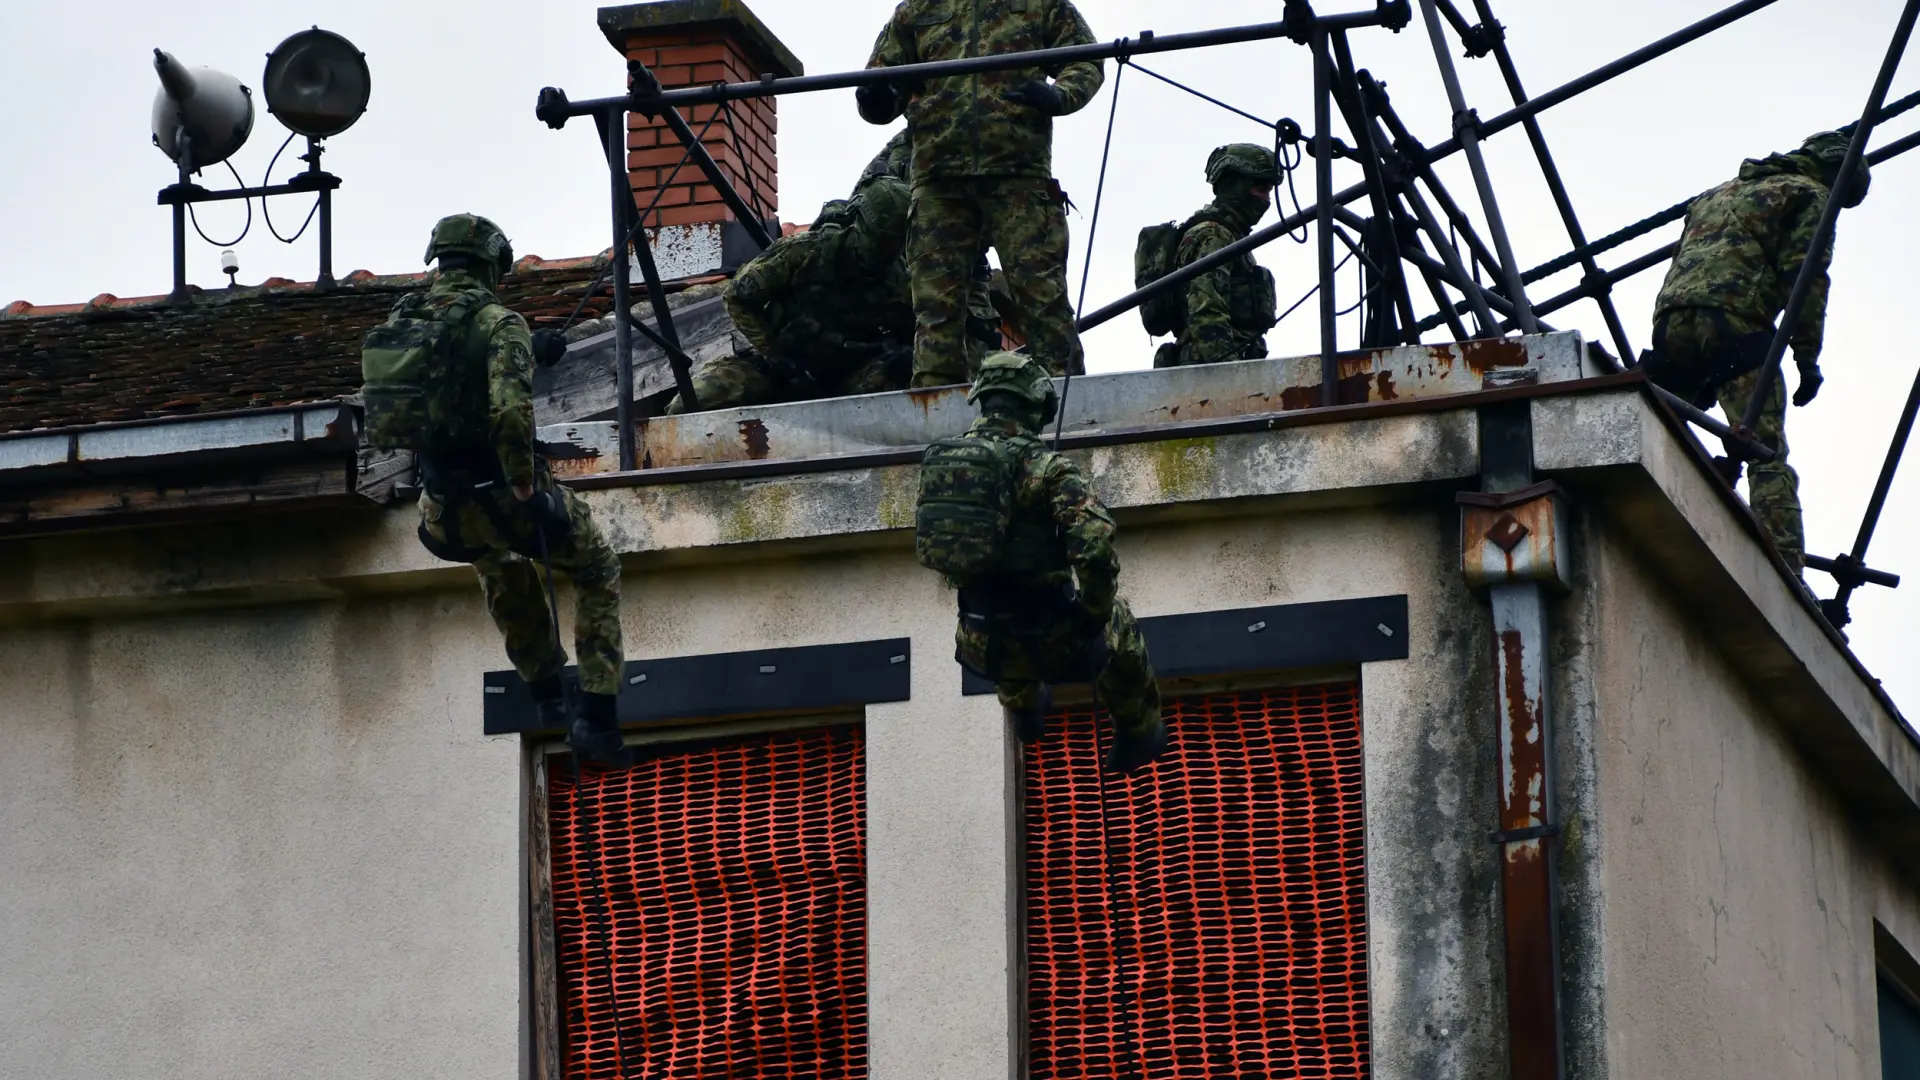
[824, 313]
[1225, 313]
[1016, 528]
[449, 375]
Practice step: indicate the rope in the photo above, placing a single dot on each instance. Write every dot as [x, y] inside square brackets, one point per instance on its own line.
[1208, 98]
[1093, 230]
[1123, 1006]
[599, 884]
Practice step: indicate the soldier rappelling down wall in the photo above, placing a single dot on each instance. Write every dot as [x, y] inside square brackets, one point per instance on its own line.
[1742, 249]
[1018, 531]
[1223, 314]
[824, 312]
[450, 376]
[983, 170]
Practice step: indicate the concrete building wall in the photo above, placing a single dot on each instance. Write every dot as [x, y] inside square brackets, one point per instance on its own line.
[1740, 899]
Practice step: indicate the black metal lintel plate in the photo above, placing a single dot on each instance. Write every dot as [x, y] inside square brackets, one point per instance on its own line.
[1277, 638]
[810, 678]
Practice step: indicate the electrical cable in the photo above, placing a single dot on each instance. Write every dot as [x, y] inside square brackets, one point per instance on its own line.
[1093, 230]
[244, 230]
[266, 181]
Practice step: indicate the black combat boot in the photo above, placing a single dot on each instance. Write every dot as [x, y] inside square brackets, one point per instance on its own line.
[596, 734]
[1133, 750]
[1030, 723]
[550, 699]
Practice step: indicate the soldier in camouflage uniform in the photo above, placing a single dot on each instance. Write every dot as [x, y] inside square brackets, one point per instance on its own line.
[1738, 259]
[1228, 310]
[983, 319]
[982, 169]
[1055, 614]
[824, 312]
[494, 503]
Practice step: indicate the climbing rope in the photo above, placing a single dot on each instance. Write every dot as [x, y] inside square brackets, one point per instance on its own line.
[1093, 230]
[597, 883]
[1123, 1006]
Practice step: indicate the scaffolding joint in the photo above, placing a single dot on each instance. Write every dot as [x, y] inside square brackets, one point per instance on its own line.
[1482, 38]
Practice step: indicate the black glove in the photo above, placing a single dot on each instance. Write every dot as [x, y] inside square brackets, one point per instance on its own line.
[1810, 380]
[549, 346]
[1040, 95]
[879, 103]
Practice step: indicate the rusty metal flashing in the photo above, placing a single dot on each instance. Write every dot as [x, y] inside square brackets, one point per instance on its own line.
[1505, 500]
[1085, 440]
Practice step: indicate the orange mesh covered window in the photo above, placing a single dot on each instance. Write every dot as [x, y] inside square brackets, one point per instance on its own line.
[710, 910]
[1232, 940]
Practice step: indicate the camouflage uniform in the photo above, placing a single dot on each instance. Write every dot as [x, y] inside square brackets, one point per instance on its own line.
[818, 319]
[1055, 616]
[1738, 259]
[983, 318]
[1229, 310]
[493, 532]
[982, 170]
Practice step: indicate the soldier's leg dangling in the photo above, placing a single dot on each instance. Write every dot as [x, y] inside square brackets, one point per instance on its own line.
[1773, 487]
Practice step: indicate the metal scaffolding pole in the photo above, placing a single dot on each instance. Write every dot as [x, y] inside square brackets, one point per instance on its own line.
[1348, 96]
[612, 135]
[1495, 35]
[1814, 264]
[1323, 227]
[1466, 125]
[1850, 570]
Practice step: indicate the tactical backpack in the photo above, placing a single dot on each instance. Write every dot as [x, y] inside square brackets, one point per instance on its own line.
[965, 509]
[1154, 254]
[419, 392]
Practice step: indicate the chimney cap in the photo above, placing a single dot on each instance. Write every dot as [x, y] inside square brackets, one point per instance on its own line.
[661, 17]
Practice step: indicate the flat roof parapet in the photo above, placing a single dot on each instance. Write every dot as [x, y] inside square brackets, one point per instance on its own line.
[1120, 401]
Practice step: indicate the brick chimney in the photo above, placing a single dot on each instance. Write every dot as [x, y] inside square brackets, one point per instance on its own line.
[696, 43]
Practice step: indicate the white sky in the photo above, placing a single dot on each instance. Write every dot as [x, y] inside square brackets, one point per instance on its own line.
[451, 128]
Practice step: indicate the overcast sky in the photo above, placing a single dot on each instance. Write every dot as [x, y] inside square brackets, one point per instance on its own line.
[451, 128]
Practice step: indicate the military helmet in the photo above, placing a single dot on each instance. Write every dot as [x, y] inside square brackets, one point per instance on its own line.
[882, 206]
[1828, 149]
[1250, 160]
[1022, 376]
[471, 234]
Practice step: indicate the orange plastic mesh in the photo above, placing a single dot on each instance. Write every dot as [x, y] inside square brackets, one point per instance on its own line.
[1241, 906]
[735, 875]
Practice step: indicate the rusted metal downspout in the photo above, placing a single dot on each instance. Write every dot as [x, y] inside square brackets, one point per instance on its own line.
[1513, 544]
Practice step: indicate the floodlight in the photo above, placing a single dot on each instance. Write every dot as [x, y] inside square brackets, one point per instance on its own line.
[317, 83]
[200, 117]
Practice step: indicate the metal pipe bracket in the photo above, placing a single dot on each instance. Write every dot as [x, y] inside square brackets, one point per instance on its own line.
[1515, 537]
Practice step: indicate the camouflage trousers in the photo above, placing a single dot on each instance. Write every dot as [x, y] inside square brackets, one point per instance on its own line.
[491, 528]
[1058, 652]
[1696, 352]
[747, 378]
[953, 222]
[1773, 488]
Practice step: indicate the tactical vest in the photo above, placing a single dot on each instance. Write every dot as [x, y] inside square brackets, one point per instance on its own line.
[424, 375]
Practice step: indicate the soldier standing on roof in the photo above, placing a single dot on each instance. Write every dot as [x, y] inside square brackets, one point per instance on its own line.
[1741, 252]
[450, 376]
[983, 169]
[1018, 531]
[824, 312]
[1223, 314]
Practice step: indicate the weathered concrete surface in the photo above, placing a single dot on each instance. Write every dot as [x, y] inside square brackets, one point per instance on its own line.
[260, 844]
[1741, 891]
[1127, 399]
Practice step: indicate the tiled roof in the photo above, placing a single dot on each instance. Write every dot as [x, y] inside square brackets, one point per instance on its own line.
[274, 344]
